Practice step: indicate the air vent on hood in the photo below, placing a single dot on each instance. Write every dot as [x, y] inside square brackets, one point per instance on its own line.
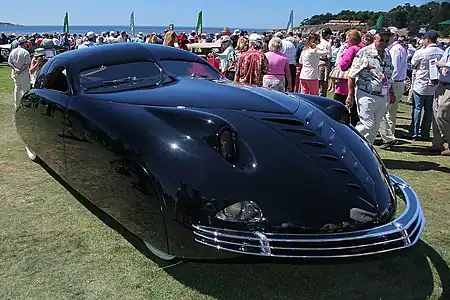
[341, 171]
[329, 157]
[355, 186]
[315, 144]
[302, 131]
[285, 121]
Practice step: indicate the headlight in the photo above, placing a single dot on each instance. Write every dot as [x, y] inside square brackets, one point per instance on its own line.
[241, 212]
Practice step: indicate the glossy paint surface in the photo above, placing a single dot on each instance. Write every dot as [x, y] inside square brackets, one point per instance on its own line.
[150, 158]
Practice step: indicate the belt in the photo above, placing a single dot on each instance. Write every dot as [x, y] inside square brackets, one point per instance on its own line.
[372, 93]
[444, 83]
[399, 80]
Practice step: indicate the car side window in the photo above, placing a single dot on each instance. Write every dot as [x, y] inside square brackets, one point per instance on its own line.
[190, 68]
[57, 80]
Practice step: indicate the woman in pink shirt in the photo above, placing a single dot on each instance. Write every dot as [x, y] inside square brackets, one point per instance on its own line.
[345, 62]
[278, 67]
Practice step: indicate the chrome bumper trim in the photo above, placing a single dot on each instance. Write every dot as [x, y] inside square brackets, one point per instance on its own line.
[403, 232]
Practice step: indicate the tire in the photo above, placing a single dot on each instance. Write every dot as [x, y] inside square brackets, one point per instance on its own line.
[164, 257]
[32, 156]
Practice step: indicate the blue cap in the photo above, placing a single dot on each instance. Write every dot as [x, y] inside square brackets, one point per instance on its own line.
[432, 35]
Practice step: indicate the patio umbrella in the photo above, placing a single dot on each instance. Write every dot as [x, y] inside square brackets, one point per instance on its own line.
[445, 22]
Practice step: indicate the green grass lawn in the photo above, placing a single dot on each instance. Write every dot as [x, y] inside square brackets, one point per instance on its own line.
[52, 247]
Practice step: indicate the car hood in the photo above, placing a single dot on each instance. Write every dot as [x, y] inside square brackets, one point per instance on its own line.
[199, 93]
[306, 171]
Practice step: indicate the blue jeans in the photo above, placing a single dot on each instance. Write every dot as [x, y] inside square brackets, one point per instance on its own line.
[425, 102]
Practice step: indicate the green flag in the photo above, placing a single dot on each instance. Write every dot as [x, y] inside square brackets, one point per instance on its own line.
[380, 22]
[66, 23]
[199, 28]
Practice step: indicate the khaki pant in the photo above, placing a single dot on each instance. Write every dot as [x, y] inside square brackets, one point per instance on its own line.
[21, 86]
[387, 126]
[371, 109]
[441, 116]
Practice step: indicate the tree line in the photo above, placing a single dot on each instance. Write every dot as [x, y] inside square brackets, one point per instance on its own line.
[407, 16]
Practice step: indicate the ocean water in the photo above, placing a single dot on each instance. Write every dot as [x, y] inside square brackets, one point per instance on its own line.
[98, 29]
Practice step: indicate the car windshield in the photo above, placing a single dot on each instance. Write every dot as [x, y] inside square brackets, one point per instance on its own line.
[119, 77]
[192, 69]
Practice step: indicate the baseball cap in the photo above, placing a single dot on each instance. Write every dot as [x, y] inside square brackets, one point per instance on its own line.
[90, 35]
[225, 38]
[431, 34]
[22, 40]
[393, 29]
[384, 31]
[279, 34]
[255, 37]
[327, 31]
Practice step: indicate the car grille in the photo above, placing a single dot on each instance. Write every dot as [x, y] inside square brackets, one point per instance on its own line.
[403, 232]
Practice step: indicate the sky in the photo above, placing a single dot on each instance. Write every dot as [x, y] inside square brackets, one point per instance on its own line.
[236, 13]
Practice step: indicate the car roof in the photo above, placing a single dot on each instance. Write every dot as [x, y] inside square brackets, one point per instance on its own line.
[86, 58]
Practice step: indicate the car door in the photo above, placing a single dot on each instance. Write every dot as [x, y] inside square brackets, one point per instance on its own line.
[50, 115]
[27, 111]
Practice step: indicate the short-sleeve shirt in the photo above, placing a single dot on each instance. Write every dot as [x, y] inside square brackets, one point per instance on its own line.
[309, 59]
[224, 58]
[18, 58]
[277, 63]
[421, 62]
[252, 66]
[289, 50]
[369, 69]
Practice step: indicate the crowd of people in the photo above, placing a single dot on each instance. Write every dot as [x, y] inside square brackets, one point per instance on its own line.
[366, 71]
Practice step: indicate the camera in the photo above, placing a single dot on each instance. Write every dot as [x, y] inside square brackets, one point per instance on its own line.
[42, 60]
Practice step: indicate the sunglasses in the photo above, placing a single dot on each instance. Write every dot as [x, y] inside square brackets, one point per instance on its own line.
[385, 40]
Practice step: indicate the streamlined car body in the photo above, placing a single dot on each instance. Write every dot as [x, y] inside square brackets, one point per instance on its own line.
[199, 167]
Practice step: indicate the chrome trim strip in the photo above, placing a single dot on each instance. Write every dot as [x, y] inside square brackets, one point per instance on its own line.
[226, 242]
[402, 225]
[304, 256]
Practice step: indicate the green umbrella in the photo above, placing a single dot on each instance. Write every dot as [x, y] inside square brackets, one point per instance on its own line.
[380, 22]
[445, 22]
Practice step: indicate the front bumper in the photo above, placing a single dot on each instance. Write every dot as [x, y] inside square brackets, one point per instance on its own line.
[403, 232]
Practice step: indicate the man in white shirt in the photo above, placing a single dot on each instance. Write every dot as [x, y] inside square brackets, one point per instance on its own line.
[289, 50]
[19, 60]
[441, 107]
[399, 57]
[424, 86]
[324, 62]
[90, 41]
[123, 38]
[111, 38]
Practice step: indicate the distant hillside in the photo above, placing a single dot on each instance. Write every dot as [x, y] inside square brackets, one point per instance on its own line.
[407, 16]
[4, 24]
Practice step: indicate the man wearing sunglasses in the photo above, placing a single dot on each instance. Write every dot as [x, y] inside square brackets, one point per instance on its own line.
[371, 77]
[424, 86]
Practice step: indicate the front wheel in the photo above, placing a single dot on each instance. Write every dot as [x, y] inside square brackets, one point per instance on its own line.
[32, 156]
